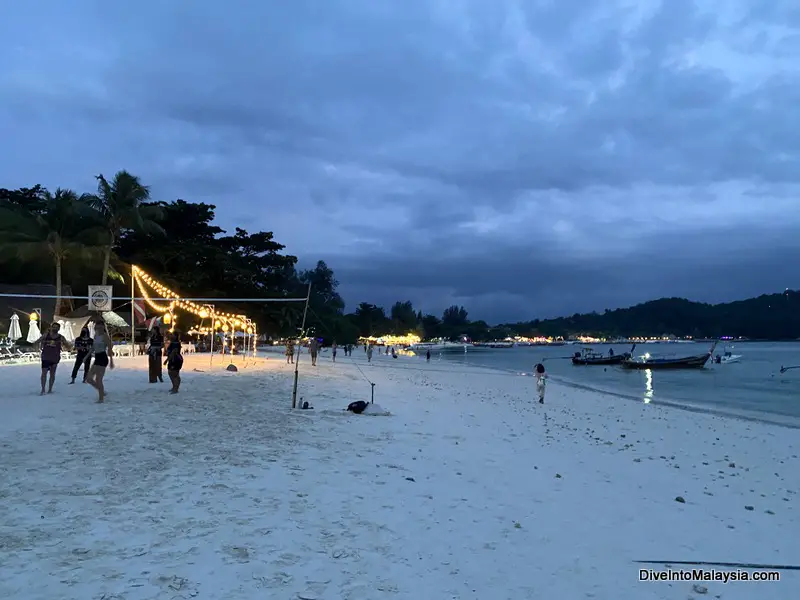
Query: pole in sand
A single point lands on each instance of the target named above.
(213, 335)
(133, 315)
(372, 393)
(297, 362)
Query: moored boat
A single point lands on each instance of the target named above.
(423, 347)
(727, 357)
(588, 356)
(658, 362)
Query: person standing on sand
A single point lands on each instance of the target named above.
(83, 345)
(290, 352)
(313, 349)
(103, 350)
(51, 345)
(174, 362)
(154, 353)
(333, 350)
(369, 353)
(428, 356)
(541, 381)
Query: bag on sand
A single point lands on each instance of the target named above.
(357, 407)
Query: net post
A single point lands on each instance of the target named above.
(372, 395)
(297, 361)
(133, 314)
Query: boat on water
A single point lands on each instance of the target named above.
(727, 357)
(496, 344)
(589, 356)
(423, 347)
(667, 362)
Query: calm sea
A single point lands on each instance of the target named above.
(753, 388)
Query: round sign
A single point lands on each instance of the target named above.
(99, 299)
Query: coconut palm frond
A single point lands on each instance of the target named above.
(114, 274)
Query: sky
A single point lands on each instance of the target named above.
(523, 158)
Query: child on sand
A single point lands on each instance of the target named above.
(174, 362)
(541, 380)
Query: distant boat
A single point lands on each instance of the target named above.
(423, 347)
(588, 356)
(654, 362)
(503, 344)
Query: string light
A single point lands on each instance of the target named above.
(144, 281)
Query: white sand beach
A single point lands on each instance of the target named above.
(468, 490)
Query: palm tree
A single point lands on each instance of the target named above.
(121, 205)
(52, 227)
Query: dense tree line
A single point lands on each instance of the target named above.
(88, 238)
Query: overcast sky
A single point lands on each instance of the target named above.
(523, 158)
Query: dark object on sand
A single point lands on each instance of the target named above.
(232, 368)
(653, 362)
(305, 406)
(357, 407)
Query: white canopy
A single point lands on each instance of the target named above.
(14, 330)
(33, 332)
(66, 330)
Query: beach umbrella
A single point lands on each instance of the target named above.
(33, 331)
(14, 331)
(66, 330)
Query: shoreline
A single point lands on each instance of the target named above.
(767, 418)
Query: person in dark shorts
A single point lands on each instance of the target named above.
(52, 343)
(103, 349)
(174, 362)
(83, 346)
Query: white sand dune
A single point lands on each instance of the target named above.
(467, 489)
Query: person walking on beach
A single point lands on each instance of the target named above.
(428, 356)
(313, 349)
(52, 343)
(333, 350)
(83, 346)
(154, 353)
(174, 362)
(541, 380)
(103, 357)
(369, 353)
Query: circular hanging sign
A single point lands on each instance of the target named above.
(99, 299)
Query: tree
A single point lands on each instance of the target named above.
(122, 206)
(326, 306)
(371, 320)
(46, 226)
(404, 319)
(431, 327)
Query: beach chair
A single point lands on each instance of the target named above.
(7, 356)
(26, 356)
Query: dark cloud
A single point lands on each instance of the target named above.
(522, 157)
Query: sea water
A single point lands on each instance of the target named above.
(751, 388)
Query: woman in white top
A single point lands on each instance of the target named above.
(103, 357)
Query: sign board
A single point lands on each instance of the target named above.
(100, 297)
